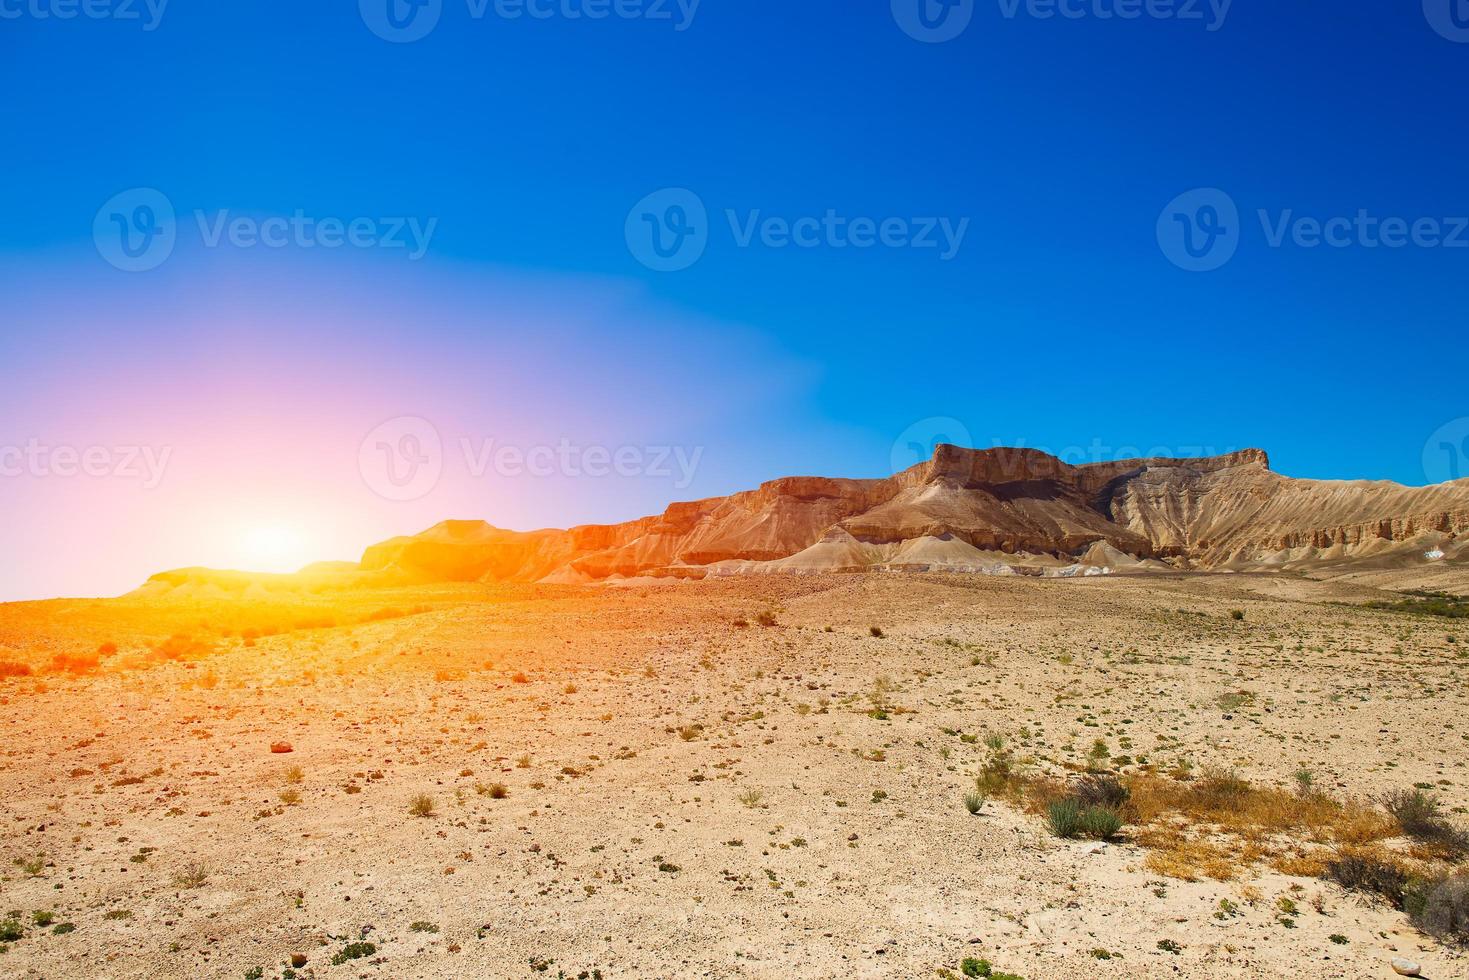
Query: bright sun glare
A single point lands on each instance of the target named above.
(273, 548)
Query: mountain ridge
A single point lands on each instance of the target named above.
(997, 511)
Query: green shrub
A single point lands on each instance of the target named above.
(353, 951)
(973, 802)
(1064, 818)
(1099, 822)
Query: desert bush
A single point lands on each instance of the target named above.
(1371, 874)
(81, 663)
(1100, 822)
(973, 802)
(191, 875)
(876, 632)
(181, 646)
(421, 805)
(1420, 817)
(1101, 790)
(1441, 908)
(765, 618)
(352, 951)
(10, 668)
(1064, 818)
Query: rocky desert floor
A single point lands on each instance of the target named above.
(722, 779)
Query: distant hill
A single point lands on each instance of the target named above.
(998, 511)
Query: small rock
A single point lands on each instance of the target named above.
(1405, 968)
(281, 747)
(1096, 848)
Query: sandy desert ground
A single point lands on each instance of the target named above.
(722, 779)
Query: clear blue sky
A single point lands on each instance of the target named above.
(1060, 322)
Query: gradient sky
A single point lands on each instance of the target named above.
(1060, 323)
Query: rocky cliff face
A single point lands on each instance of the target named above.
(968, 510)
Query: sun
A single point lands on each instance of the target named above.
(273, 547)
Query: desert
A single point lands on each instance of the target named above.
(764, 773)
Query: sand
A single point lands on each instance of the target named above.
(690, 797)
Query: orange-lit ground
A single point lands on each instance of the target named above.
(686, 795)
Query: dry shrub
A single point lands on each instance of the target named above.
(1303, 864)
(1254, 813)
(1441, 908)
(65, 663)
(10, 668)
(181, 646)
(1176, 855)
(1372, 871)
(1100, 790)
(1420, 817)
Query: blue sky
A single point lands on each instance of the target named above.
(1056, 143)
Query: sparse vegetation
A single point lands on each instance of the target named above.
(421, 805)
(353, 951)
(191, 875)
